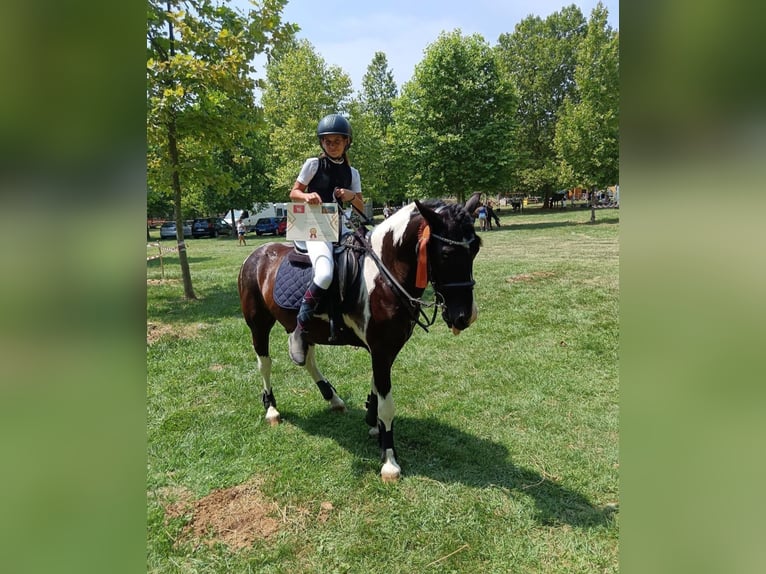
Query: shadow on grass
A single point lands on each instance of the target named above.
(173, 260)
(438, 451)
(213, 303)
(529, 226)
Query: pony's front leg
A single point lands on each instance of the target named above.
(381, 387)
(328, 391)
(269, 402)
(391, 471)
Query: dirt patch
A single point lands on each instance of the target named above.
(529, 276)
(235, 516)
(155, 331)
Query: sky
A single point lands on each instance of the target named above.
(348, 34)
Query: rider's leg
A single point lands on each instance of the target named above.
(320, 254)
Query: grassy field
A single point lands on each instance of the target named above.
(507, 434)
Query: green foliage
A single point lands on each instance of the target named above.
(379, 92)
(507, 434)
(539, 59)
(371, 117)
(200, 88)
(587, 134)
(453, 120)
(300, 89)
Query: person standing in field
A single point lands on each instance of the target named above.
(482, 218)
(241, 230)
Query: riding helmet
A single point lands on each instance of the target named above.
(334, 124)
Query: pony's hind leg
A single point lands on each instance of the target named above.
(269, 402)
(327, 390)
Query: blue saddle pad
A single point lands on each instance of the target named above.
(292, 282)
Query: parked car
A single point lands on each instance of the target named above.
(210, 227)
(282, 226)
(168, 229)
(268, 225)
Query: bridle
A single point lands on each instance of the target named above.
(416, 303)
(459, 284)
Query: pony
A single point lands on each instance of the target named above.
(423, 242)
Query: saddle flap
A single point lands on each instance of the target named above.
(299, 258)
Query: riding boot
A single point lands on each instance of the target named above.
(297, 343)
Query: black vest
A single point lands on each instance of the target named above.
(330, 175)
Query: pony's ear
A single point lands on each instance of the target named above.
(473, 202)
(432, 218)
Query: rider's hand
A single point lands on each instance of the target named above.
(341, 193)
(312, 198)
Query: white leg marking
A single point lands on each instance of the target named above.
(391, 471)
(273, 417)
(311, 364)
(335, 402)
(264, 366)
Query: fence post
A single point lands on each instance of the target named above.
(162, 267)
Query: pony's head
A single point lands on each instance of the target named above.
(452, 247)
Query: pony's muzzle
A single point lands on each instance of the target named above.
(462, 322)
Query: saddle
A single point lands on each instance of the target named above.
(295, 273)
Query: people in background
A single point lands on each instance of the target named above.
(491, 215)
(482, 214)
(241, 230)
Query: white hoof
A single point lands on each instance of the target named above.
(391, 470)
(374, 432)
(273, 417)
(337, 404)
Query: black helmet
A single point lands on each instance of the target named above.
(334, 124)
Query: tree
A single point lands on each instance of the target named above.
(371, 117)
(587, 133)
(300, 89)
(453, 121)
(539, 59)
(200, 94)
(379, 92)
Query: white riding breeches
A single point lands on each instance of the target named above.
(321, 255)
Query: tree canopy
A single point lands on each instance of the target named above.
(539, 59)
(300, 89)
(453, 120)
(587, 133)
(200, 107)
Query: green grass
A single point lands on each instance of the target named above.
(507, 434)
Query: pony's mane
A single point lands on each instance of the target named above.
(398, 223)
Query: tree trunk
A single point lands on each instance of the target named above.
(176, 184)
(182, 259)
(593, 205)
